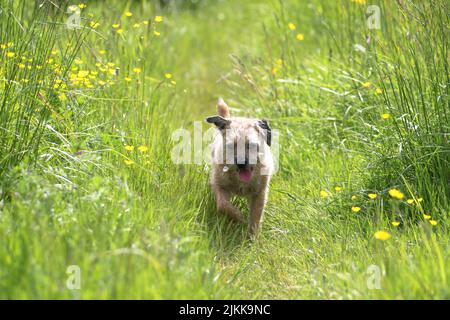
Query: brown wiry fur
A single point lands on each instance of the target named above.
(225, 183)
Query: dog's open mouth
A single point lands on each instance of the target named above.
(245, 174)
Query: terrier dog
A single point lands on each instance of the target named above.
(242, 164)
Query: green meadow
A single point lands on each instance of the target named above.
(92, 205)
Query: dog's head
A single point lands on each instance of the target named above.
(244, 141)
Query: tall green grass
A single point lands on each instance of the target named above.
(77, 189)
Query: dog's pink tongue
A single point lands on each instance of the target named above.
(245, 175)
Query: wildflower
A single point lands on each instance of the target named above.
(111, 64)
(173, 82)
(291, 26)
(77, 61)
(410, 201)
(385, 116)
(426, 216)
(432, 222)
(128, 14)
(158, 19)
(378, 91)
(372, 196)
(419, 199)
(168, 75)
(356, 209)
(120, 31)
(94, 25)
(396, 194)
(127, 79)
(395, 223)
(145, 22)
(82, 5)
(274, 70)
(101, 82)
(143, 149)
(324, 194)
(129, 162)
(338, 189)
(366, 84)
(382, 235)
(62, 97)
(300, 37)
(156, 33)
(21, 66)
(116, 26)
(136, 25)
(102, 52)
(137, 70)
(279, 62)
(354, 197)
(129, 148)
(10, 54)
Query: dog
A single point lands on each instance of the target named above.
(242, 164)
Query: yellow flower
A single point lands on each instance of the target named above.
(274, 70)
(145, 22)
(101, 82)
(291, 26)
(396, 194)
(21, 66)
(137, 70)
(120, 31)
(354, 197)
(116, 25)
(128, 14)
(382, 235)
(143, 149)
(432, 222)
(168, 75)
(356, 209)
(102, 52)
(158, 19)
(419, 199)
(62, 97)
(395, 223)
(338, 189)
(378, 91)
(156, 33)
(426, 216)
(324, 194)
(54, 52)
(385, 116)
(136, 25)
(127, 79)
(173, 82)
(129, 148)
(410, 201)
(372, 195)
(82, 5)
(10, 54)
(129, 162)
(366, 84)
(279, 62)
(94, 25)
(111, 64)
(77, 61)
(300, 37)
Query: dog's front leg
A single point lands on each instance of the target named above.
(257, 204)
(224, 205)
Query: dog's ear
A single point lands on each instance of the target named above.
(220, 122)
(267, 130)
